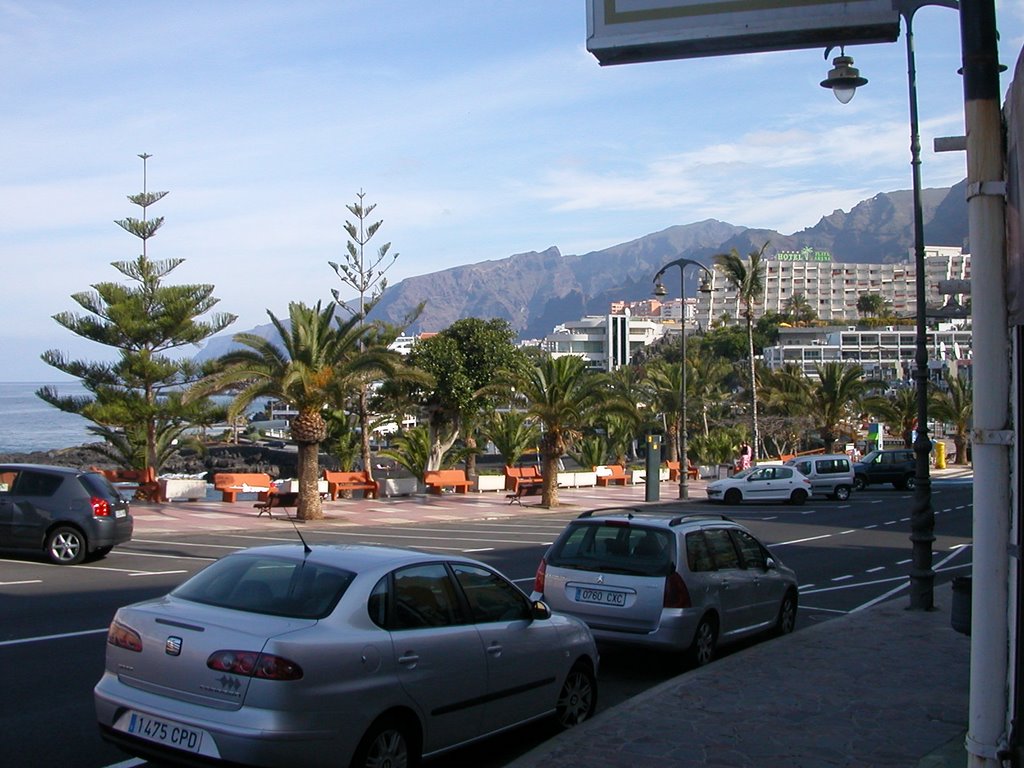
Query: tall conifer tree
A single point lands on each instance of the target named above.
(135, 401)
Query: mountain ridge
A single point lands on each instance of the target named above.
(536, 290)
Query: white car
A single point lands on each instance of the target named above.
(340, 656)
(763, 483)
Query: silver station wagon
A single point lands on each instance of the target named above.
(337, 656)
(682, 583)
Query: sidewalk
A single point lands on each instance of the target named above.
(878, 688)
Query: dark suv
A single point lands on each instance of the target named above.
(891, 465)
(65, 513)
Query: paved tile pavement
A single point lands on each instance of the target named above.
(881, 687)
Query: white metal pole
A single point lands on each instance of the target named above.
(991, 437)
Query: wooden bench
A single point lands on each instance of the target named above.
(617, 475)
(692, 471)
(230, 484)
(279, 499)
(338, 482)
(522, 481)
(439, 479)
(141, 481)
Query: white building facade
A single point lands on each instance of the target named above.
(606, 343)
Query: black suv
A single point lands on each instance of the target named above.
(64, 513)
(891, 465)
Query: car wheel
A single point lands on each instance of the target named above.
(733, 496)
(578, 698)
(702, 651)
(65, 546)
(385, 744)
(910, 483)
(798, 497)
(786, 621)
(842, 492)
(859, 484)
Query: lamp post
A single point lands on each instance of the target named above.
(659, 290)
(922, 517)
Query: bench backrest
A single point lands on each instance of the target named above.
(223, 480)
(523, 473)
(346, 477)
(445, 476)
(617, 470)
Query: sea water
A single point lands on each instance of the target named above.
(29, 424)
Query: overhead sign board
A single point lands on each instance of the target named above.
(628, 31)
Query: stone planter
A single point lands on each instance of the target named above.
(490, 483)
(577, 479)
(180, 489)
(400, 486)
(292, 486)
(640, 475)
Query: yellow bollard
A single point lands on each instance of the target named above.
(940, 455)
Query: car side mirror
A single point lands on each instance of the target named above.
(540, 611)
(770, 564)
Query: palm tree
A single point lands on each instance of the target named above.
(664, 383)
(747, 278)
(706, 383)
(799, 310)
(835, 400)
(898, 410)
(317, 364)
(512, 434)
(563, 396)
(955, 406)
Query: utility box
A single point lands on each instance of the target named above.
(652, 488)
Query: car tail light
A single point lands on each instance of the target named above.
(100, 507)
(124, 637)
(538, 579)
(676, 593)
(265, 666)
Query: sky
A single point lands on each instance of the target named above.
(479, 129)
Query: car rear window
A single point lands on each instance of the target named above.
(615, 547)
(96, 484)
(270, 585)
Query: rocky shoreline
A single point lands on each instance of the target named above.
(218, 457)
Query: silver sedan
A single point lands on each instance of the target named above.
(335, 656)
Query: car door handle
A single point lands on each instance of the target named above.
(409, 659)
(495, 649)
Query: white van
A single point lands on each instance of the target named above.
(831, 474)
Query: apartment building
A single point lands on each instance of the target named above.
(832, 288)
(606, 342)
(886, 354)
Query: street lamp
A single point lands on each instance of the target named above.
(659, 290)
(922, 517)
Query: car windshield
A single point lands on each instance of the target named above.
(271, 585)
(743, 473)
(615, 547)
(868, 458)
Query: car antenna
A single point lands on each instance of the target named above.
(305, 547)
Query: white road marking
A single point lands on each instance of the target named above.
(63, 636)
(15, 583)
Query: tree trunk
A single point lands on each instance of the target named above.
(364, 432)
(549, 490)
(960, 446)
(756, 441)
(310, 506)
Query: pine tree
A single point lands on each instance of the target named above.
(135, 403)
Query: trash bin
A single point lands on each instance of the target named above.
(960, 612)
(940, 455)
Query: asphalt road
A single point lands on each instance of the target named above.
(847, 556)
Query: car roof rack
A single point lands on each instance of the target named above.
(629, 512)
(679, 519)
(632, 512)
